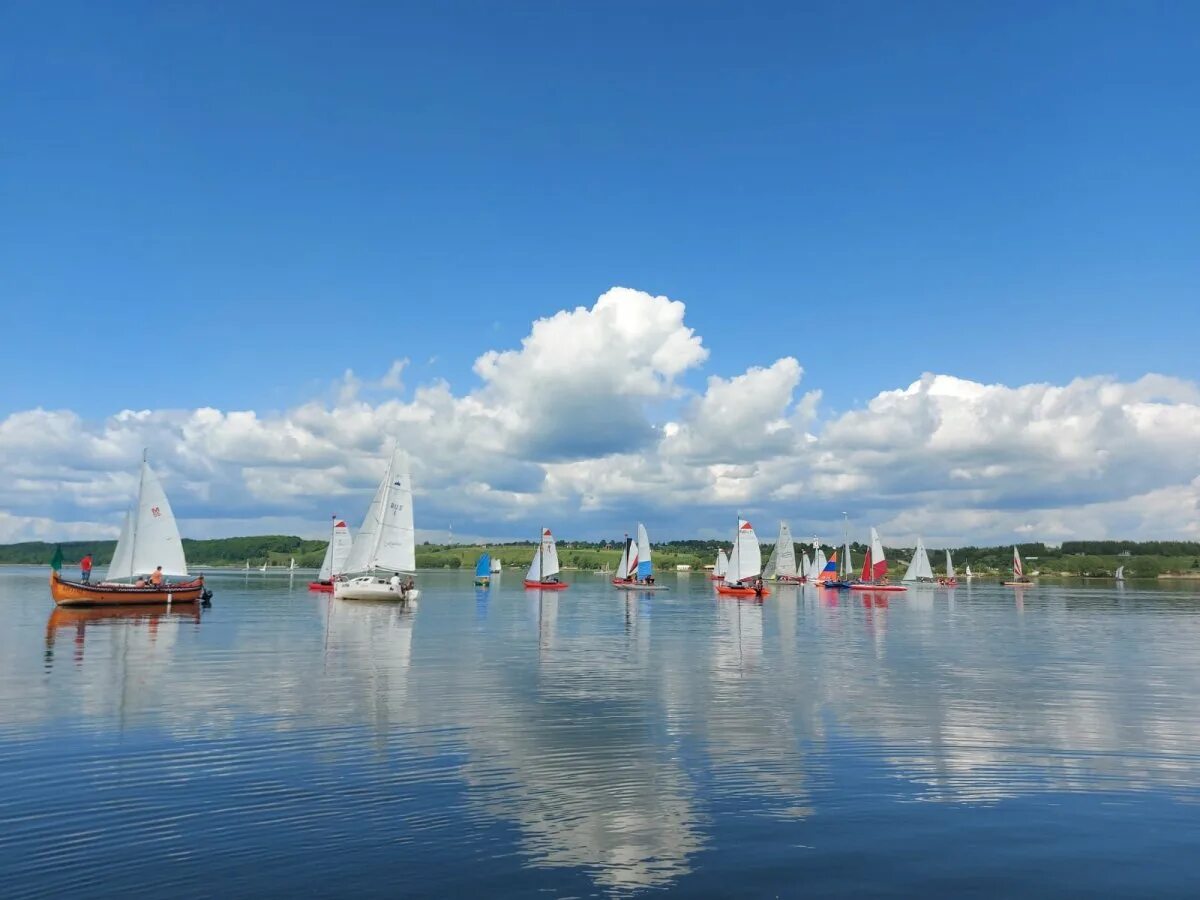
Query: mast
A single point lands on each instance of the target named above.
(387, 492)
(137, 515)
(541, 554)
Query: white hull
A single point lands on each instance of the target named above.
(367, 587)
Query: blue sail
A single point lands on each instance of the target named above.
(645, 570)
(484, 566)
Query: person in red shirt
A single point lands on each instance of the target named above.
(156, 577)
(85, 568)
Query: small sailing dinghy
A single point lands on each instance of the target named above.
(336, 553)
(496, 567)
(722, 566)
(784, 555)
(385, 544)
(635, 572)
(950, 579)
(483, 570)
(149, 541)
(1120, 574)
(919, 570)
(968, 573)
(828, 575)
(744, 575)
(874, 570)
(1019, 578)
(543, 570)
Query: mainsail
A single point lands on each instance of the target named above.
(1018, 569)
(483, 568)
(949, 566)
(919, 568)
(784, 553)
(847, 563)
(387, 539)
(644, 567)
(149, 537)
(874, 564)
(722, 567)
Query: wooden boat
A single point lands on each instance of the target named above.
(149, 541)
(78, 593)
(383, 555)
(1019, 579)
(336, 553)
(744, 575)
(874, 570)
(544, 569)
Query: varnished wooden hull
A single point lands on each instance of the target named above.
(77, 593)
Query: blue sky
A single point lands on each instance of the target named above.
(273, 193)
(989, 181)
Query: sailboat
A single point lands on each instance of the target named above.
(385, 544)
(805, 567)
(636, 570)
(149, 541)
(483, 570)
(874, 570)
(336, 553)
(968, 573)
(496, 567)
(266, 565)
(721, 568)
(744, 576)
(543, 570)
(1120, 574)
(829, 572)
(1019, 578)
(919, 571)
(784, 555)
(292, 565)
(950, 579)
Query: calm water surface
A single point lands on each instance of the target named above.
(946, 743)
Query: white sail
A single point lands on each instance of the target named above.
(336, 552)
(387, 538)
(746, 561)
(969, 573)
(722, 567)
(1120, 576)
(919, 568)
(731, 567)
(623, 563)
(496, 566)
(805, 565)
(644, 567)
(768, 572)
(949, 566)
(847, 562)
(785, 552)
(819, 562)
(545, 559)
(121, 566)
(155, 536)
(877, 556)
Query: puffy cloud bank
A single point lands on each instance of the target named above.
(601, 416)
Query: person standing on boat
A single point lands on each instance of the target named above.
(157, 578)
(85, 568)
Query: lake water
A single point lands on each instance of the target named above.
(975, 742)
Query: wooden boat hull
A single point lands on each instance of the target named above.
(726, 590)
(891, 588)
(325, 587)
(77, 593)
(545, 585)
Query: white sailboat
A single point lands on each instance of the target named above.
(386, 543)
(919, 571)
(292, 565)
(745, 563)
(544, 567)
(722, 566)
(1120, 575)
(784, 556)
(496, 567)
(337, 551)
(951, 578)
(805, 567)
(968, 573)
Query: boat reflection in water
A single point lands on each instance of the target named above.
(153, 627)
